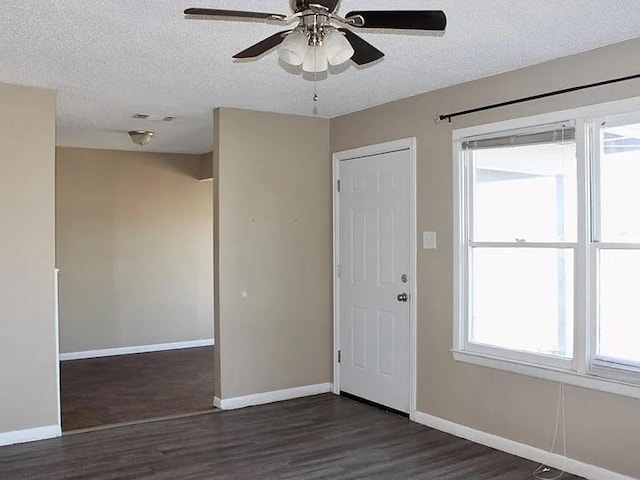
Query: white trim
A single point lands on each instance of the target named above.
(336, 274)
(460, 262)
(538, 245)
(617, 119)
(386, 147)
(57, 340)
(522, 450)
(616, 370)
(271, 397)
(377, 149)
(413, 267)
(616, 246)
(511, 354)
(549, 373)
(30, 435)
(582, 263)
(160, 347)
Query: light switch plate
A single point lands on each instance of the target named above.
(429, 240)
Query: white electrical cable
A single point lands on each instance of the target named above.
(543, 469)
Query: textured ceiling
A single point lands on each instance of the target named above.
(109, 60)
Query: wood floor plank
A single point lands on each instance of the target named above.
(110, 390)
(322, 437)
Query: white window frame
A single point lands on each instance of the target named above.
(584, 369)
(467, 233)
(601, 365)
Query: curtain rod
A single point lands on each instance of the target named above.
(449, 116)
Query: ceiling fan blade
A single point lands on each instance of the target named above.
(332, 5)
(431, 20)
(263, 46)
(364, 51)
(238, 14)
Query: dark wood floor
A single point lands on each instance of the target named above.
(323, 437)
(110, 390)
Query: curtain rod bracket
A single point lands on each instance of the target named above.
(441, 118)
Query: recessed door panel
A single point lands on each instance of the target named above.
(386, 330)
(359, 338)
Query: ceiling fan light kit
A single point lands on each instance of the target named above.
(339, 50)
(294, 48)
(315, 61)
(317, 42)
(298, 49)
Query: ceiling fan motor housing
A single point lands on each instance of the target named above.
(302, 5)
(315, 26)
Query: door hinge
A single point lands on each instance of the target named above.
(339, 356)
(338, 271)
(338, 186)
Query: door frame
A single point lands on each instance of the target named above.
(371, 150)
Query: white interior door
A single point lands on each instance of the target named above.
(374, 257)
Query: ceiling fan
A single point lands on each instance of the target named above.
(320, 39)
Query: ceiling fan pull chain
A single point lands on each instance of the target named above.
(315, 75)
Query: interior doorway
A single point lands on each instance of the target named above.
(134, 248)
(374, 293)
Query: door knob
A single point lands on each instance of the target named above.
(403, 297)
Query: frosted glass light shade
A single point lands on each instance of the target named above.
(141, 137)
(316, 60)
(294, 48)
(339, 50)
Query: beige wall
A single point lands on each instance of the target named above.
(274, 242)
(134, 247)
(206, 166)
(28, 391)
(602, 429)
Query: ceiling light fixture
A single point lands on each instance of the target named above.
(141, 137)
(315, 50)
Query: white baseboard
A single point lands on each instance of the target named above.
(270, 397)
(522, 450)
(30, 435)
(109, 352)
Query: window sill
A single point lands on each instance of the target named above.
(549, 373)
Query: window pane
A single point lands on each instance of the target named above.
(525, 192)
(522, 299)
(619, 192)
(619, 306)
